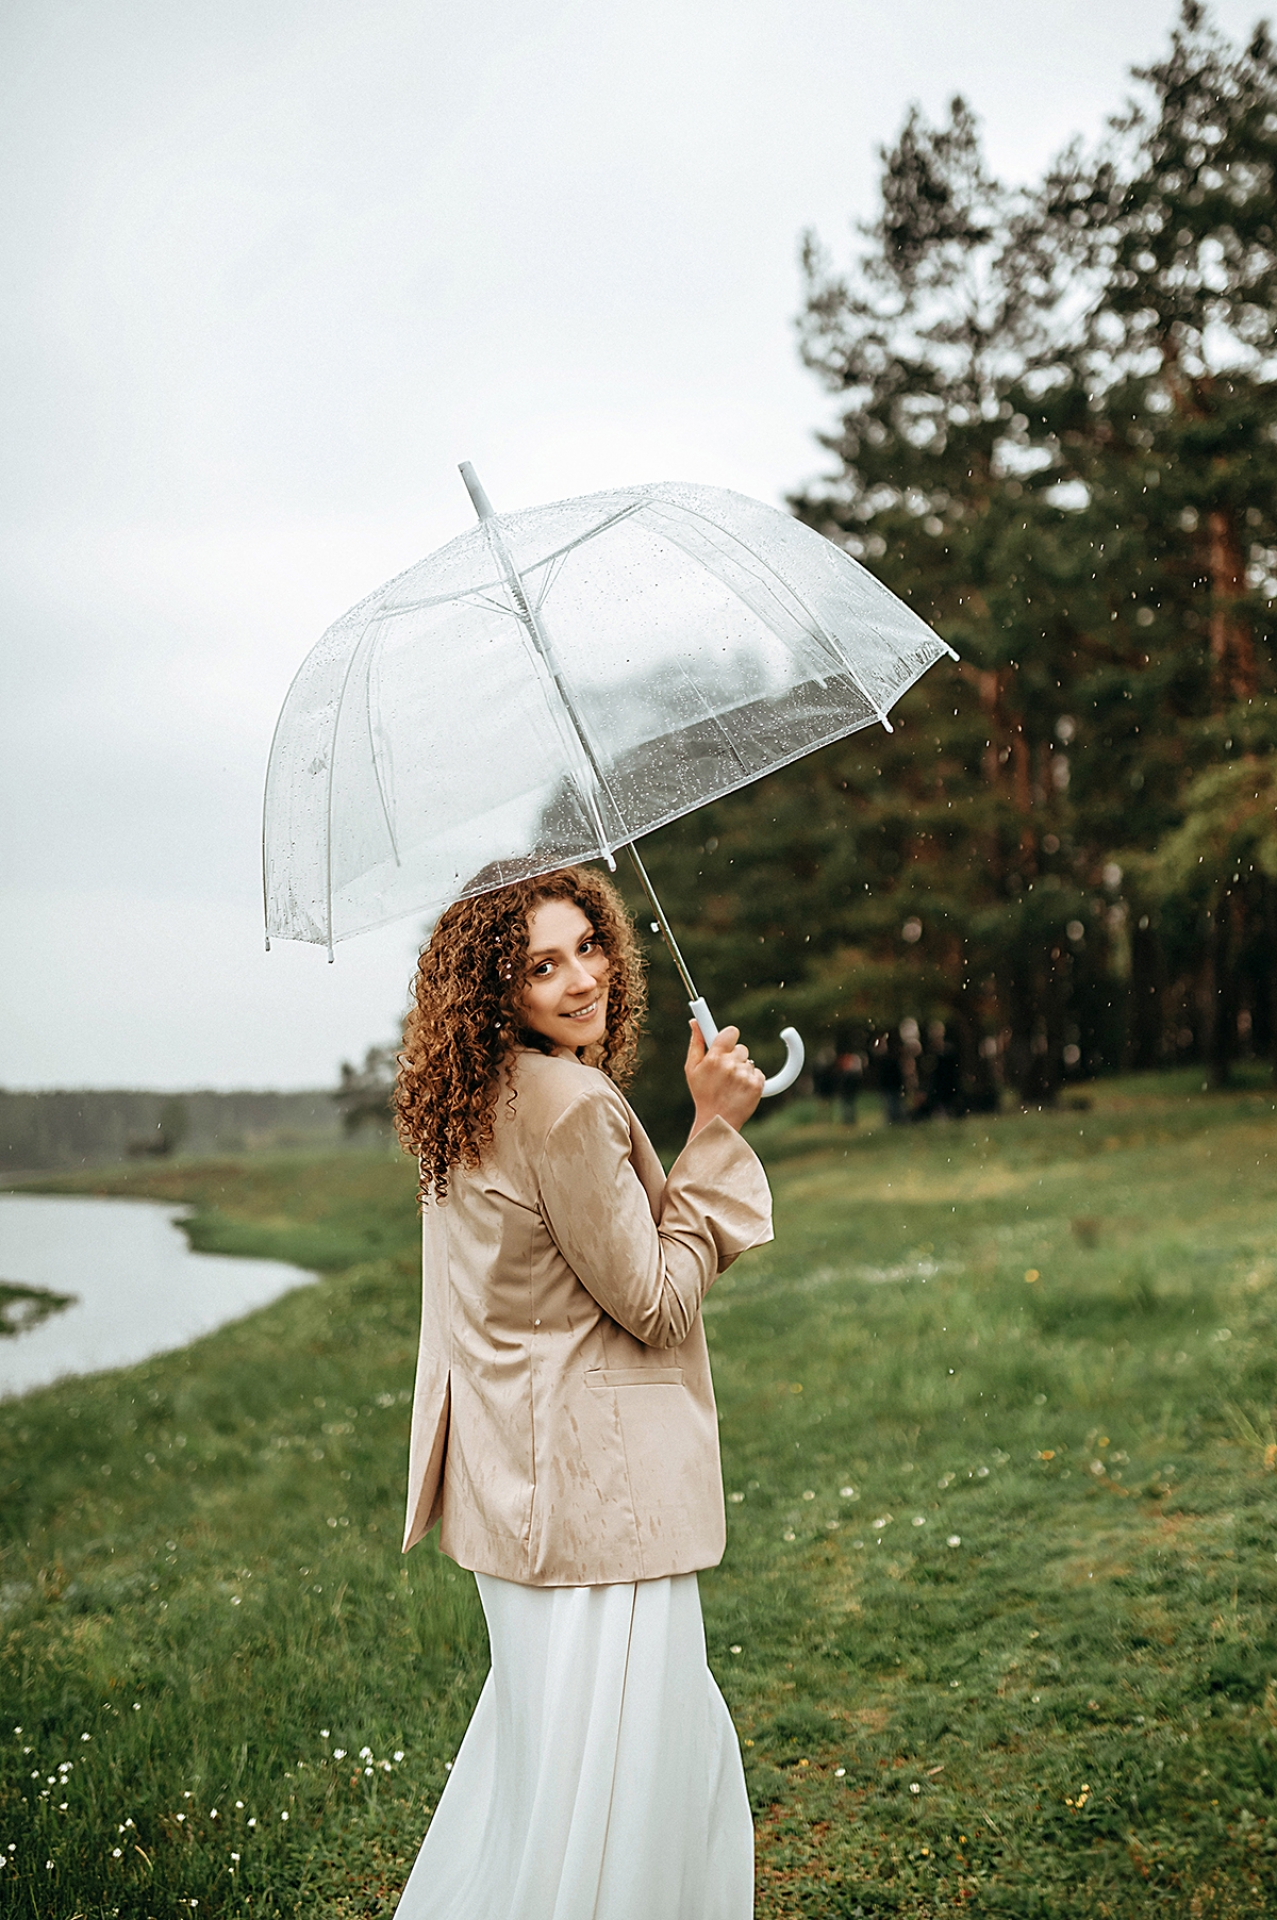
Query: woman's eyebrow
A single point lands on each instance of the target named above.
(548, 953)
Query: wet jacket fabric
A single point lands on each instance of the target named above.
(564, 1431)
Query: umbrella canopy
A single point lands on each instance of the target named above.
(557, 682)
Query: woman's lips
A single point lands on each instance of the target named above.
(582, 1013)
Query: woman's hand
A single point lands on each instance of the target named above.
(722, 1079)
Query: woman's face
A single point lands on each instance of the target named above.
(565, 997)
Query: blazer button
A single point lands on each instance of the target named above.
(536, 1323)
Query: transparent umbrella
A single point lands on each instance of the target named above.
(556, 683)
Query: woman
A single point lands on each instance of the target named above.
(564, 1434)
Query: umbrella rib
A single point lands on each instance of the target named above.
(553, 570)
(372, 755)
(493, 606)
(816, 626)
(592, 533)
(426, 601)
(328, 805)
(424, 604)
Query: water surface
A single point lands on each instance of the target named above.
(138, 1287)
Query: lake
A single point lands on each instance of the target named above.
(138, 1287)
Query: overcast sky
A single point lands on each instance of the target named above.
(269, 273)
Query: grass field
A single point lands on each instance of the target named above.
(998, 1618)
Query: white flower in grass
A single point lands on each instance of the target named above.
(116, 1853)
(365, 1753)
(284, 1815)
(253, 1821)
(954, 1540)
(398, 1753)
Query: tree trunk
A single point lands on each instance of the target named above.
(1144, 1041)
(1269, 921)
(1223, 1012)
(1038, 1019)
(1232, 646)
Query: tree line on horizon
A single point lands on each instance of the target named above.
(1057, 441)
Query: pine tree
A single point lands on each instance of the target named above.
(1174, 230)
(1058, 442)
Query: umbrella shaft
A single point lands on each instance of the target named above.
(664, 925)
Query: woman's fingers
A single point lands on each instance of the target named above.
(696, 1051)
(723, 1080)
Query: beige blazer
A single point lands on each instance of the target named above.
(564, 1431)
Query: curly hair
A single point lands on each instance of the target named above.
(465, 1021)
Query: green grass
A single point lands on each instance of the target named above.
(1071, 1711)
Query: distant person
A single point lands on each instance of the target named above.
(824, 1078)
(850, 1070)
(889, 1078)
(944, 1090)
(563, 1432)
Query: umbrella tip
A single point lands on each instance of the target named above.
(951, 651)
(885, 723)
(482, 504)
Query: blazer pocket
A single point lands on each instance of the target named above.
(600, 1377)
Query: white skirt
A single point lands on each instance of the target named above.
(600, 1777)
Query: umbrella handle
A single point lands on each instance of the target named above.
(794, 1050)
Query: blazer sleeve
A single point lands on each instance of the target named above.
(649, 1275)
